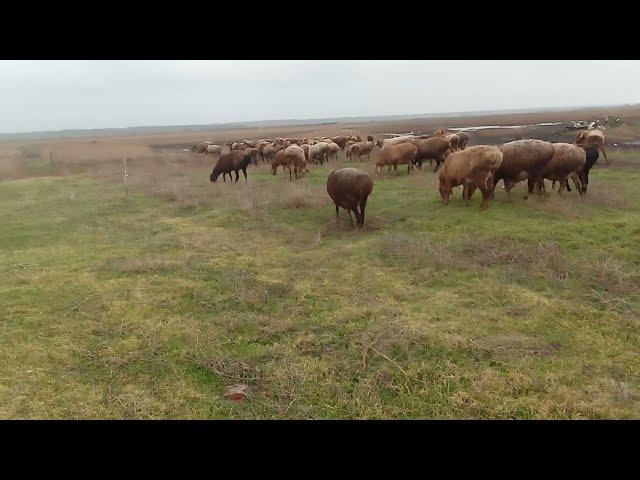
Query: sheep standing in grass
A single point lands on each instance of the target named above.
(390, 142)
(433, 148)
(473, 168)
(201, 148)
(567, 161)
(361, 148)
(523, 159)
(403, 154)
(463, 138)
(294, 156)
(233, 161)
(319, 153)
(334, 148)
(341, 140)
(350, 188)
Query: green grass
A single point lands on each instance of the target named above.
(141, 307)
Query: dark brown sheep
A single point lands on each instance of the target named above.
(233, 161)
(522, 159)
(567, 161)
(341, 140)
(433, 148)
(349, 188)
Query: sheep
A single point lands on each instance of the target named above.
(341, 140)
(334, 148)
(350, 188)
(233, 161)
(389, 142)
(592, 155)
(280, 159)
(592, 138)
(434, 148)
(319, 152)
(229, 144)
(213, 149)
(361, 148)
(351, 149)
(268, 153)
(238, 146)
(250, 143)
(567, 161)
(522, 159)
(370, 138)
(402, 154)
(294, 155)
(201, 147)
(305, 148)
(463, 140)
(473, 168)
(254, 154)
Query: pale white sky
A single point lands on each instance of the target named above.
(54, 95)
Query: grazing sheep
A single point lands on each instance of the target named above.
(350, 188)
(250, 143)
(341, 140)
(233, 161)
(592, 138)
(567, 161)
(319, 153)
(361, 148)
(522, 159)
(213, 149)
(238, 146)
(433, 148)
(473, 168)
(403, 154)
(294, 156)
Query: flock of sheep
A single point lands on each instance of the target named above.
(477, 167)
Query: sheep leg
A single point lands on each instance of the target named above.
(485, 197)
(576, 182)
(237, 176)
(584, 178)
(350, 218)
(244, 170)
(337, 210)
(363, 204)
(563, 185)
(605, 156)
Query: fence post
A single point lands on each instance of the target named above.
(126, 187)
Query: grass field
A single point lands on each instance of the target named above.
(151, 306)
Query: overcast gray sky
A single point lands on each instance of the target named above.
(54, 95)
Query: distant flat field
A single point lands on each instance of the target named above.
(152, 305)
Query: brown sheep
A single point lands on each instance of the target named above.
(522, 159)
(238, 146)
(334, 148)
(201, 147)
(361, 148)
(233, 161)
(294, 156)
(254, 154)
(473, 168)
(341, 140)
(403, 154)
(453, 140)
(592, 138)
(463, 140)
(567, 161)
(213, 150)
(389, 142)
(433, 148)
(280, 159)
(350, 188)
(268, 153)
(319, 153)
